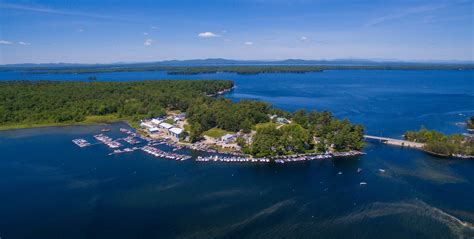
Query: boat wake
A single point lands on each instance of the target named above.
(459, 228)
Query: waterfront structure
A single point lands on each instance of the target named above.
(228, 138)
(153, 130)
(156, 121)
(282, 120)
(175, 132)
(147, 125)
(165, 126)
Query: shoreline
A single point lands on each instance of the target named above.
(445, 156)
(90, 120)
(235, 156)
(182, 145)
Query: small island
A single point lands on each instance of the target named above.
(182, 113)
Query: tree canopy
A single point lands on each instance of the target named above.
(441, 144)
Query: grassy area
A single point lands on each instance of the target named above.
(169, 121)
(187, 127)
(257, 126)
(96, 119)
(216, 132)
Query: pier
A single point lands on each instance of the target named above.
(396, 142)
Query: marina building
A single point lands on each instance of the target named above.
(156, 121)
(175, 132)
(146, 125)
(165, 126)
(153, 130)
(229, 138)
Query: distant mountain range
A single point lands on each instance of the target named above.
(221, 61)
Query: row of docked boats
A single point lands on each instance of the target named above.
(131, 140)
(162, 154)
(81, 142)
(125, 150)
(231, 159)
(278, 159)
(108, 141)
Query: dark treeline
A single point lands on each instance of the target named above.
(438, 143)
(26, 102)
(254, 69)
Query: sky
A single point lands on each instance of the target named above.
(109, 31)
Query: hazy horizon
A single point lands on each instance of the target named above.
(104, 32)
(263, 61)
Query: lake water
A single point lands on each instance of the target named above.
(49, 188)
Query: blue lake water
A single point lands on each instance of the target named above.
(50, 188)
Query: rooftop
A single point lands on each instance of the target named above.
(176, 130)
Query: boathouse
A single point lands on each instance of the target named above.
(153, 130)
(166, 126)
(175, 132)
(146, 125)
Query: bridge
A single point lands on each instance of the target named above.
(397, 142)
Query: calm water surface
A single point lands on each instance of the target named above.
(50, 188)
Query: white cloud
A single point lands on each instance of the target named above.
(148, 42)
(24, 43)
(80, 30)
(207, 34)
(304, 38)
(248, 43)
(154, 27)
(145, 33)
(3, 42)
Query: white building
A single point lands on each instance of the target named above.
(282, 120)
(175, 132)
(156, 121)
(166, 126)
(228, 138)
(146, 125)
(153, 130)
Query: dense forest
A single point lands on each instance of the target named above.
(441, 144)
(47, 102)
(43, 102)
(308, 132)
(244, 69)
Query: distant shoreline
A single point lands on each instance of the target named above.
(238, 69)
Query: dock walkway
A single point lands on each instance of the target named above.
(397, 142)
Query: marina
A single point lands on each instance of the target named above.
(150, 146)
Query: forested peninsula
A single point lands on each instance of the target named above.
(40, 103)
(443, 145)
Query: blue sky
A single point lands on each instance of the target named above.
(133, 31)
